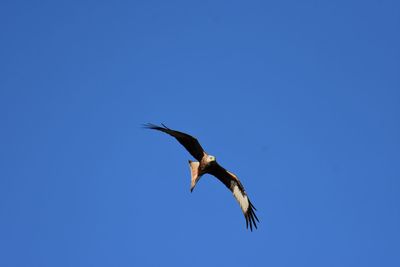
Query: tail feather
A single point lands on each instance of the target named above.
(194, 172)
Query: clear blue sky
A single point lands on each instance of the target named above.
(301, 99)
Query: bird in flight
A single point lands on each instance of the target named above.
(208, 164)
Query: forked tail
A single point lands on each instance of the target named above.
(194, 171)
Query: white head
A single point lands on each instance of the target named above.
(211, 158)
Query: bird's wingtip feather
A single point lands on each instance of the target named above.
(165, 126)
(154, 126)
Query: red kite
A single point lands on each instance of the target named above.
(208, 164)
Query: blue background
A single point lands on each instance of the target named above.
(301, 99)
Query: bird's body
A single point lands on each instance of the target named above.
(207, 164)
(197, 169)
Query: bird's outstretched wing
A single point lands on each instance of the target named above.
(189, 142)
(232, 182)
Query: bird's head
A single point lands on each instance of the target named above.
(211, 158)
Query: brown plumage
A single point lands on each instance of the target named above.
(207, 164)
